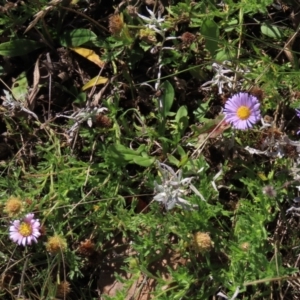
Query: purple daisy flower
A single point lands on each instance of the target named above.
(26, 231)
(242, 111)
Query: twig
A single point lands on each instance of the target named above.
(85, 16)
(22, 278)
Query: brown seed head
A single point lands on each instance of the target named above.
(86, 248)
(116, 24)
(13, 206)
(257, 92)
(63, 289)
(103, 121)
(202, 242)
(187, 37)
(56, 244)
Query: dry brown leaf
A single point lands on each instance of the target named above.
(40, 15)
(35, 88)
(90, 55)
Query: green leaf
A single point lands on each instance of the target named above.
(18, 47)
(141, 149)
(180, 150)
(183, 160)
(20, 88)
(173, 160)
(181, 120)
(225, 54)
(167, 98)
(80, 98)
(77, 37)
(271, 31)
(210, 31)
(145, 46)
(122, 153)
(231, 25)
(182, 112)
(144, 161)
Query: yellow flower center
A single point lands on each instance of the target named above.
(25, 229)
(243, 112)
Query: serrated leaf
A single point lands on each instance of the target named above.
(95, 81)
(210, 30)
(90, 55)
(77, 37)
(18, 47)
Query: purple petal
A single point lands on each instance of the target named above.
(24, 241)
(16, 223)
(29, 240)
(234, 103)
(28, 218)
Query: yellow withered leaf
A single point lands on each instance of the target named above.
(95, 81)
(90, 55)
(262, 176)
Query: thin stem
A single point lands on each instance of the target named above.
(86, 17)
